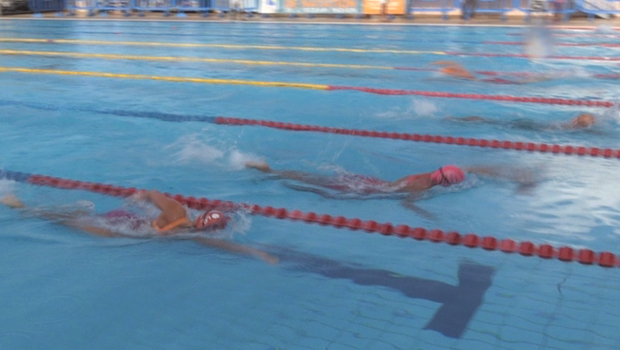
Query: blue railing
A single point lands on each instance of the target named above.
(39, 6)
(88, 6)
(500, 7)
(102, 7)
(592, 8)
(564, 7)
(467, 7)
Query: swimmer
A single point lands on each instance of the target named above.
(412, 185)
(362, 185)
(456, 70)
(444, 176)
(172, 221)
(582, 121)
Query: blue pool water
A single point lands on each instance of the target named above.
(333, 288)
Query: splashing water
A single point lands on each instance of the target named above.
(418, 108)
(538, 42)
(423, 107)
(237, 159)
(194, 150)
(6, 187)
(611, 114)
(604, 28)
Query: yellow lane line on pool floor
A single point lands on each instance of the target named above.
(173, 79)
(221, 46)
(186, 59)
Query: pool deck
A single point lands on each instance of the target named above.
(421, 19)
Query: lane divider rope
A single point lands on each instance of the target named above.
(296, 48)
(191, 59)
(379, 91)
(487, 243)
(218, 46)
(450, 140)
(265, 63)
(612, 45)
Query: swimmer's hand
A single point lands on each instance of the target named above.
(526, 181)
(237, 248)
(262, 166)
(268, 258)
(11, 201)
(408, 203)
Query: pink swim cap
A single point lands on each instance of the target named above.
(212, 220)
(447, 175)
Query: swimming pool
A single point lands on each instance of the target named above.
(333, 288)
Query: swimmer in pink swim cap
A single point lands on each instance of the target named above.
(362, 185)
(173, 220)
(365, 185)
(447, 175)
(347, 184)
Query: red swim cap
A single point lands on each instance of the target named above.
(447, 175)
(212, 220)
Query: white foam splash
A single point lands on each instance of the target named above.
(611, 114)
(423, 107)
(605, 28)
(418, 108)
(194, 150)
(538, 42)
(6, 187)
(191, 149)
(237, 159)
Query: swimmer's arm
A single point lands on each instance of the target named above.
(98, 231)
(171, 210)
(537, 78)
(524, 178)
(67, 219)
(161, 201)
(409, 204)
(237, 248)
(485, 170)
(471, 119)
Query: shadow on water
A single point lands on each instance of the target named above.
(458, 302)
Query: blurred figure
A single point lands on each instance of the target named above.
(468, 10)
(582, 121)
(585, 120)
(456, 70)
(538, 40)
(235, 9)
(384, 10)
(558, 10)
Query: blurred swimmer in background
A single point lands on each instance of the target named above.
(456, 70)
(580, 122)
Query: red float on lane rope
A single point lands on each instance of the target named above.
(488, 243)
(450, 140)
